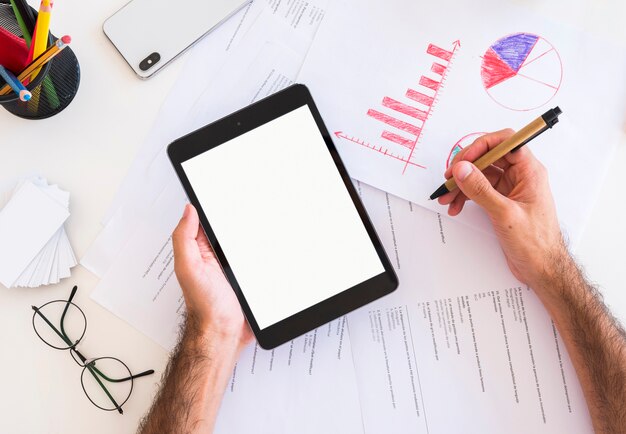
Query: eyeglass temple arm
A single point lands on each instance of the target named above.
(67, 305)
(113, 380)
(121, 380)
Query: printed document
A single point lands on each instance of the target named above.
(404, 86)
(461, 345)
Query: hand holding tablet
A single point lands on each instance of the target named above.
(284, 220)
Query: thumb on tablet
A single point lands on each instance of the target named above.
(184, 237)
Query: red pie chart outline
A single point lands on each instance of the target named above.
(558, 86)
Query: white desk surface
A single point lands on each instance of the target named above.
(87, 150)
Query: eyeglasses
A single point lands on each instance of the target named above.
(106, 381)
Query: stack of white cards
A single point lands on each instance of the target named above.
(34, 246)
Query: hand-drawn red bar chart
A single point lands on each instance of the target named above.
(521, 71)
(402, 135)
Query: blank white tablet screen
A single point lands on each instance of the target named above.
(283, 217)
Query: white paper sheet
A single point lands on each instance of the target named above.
(306, 386)
(461, 345)
(275, 390)
(140, 286)
(401, 89)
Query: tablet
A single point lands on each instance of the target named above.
(283, 217)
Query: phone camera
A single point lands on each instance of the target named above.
(238, 124)
(149, 61)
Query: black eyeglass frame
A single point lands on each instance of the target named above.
(87, 364)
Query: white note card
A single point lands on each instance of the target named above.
(27, 223)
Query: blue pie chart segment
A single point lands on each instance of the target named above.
(514, 49)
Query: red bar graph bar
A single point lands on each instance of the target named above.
(398, 139)
(429, 83)
(438, 68)
(439, 52)
(396, 123)
(404, 108)
(420, 97)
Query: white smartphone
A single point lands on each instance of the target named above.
(151, 33)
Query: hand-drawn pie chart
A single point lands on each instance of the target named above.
(522, 71)
(464, 142)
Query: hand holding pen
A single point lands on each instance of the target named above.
(515, 193)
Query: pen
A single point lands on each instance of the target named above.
(513, 143)
(15, 84)
(54, 49)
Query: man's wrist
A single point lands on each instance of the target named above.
(560, 275)
(211, 338)
(196, 378)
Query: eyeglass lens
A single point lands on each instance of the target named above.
(114, 376)
(60, 334)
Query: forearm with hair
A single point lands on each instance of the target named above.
(595, 340)
(192, 385)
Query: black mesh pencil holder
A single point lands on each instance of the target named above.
(53, 88)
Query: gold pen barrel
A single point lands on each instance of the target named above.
(522, 136)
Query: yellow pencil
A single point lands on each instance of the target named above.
(42, 30)
(40, 61)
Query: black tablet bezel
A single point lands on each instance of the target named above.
(239, 123)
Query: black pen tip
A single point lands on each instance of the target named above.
(439, 192)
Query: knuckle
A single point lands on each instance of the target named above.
(537, 172)
(176, 246)
(542, 171)
(175, 243)
(176, 234)
(481, 188)
(180, 268)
